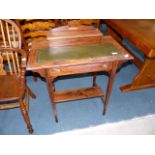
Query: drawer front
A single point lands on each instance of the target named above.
(78, 69)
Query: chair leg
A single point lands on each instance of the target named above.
(102, 99)
(27, 98)
(25, 116)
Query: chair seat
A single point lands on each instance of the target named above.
(9, 88)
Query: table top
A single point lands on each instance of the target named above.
(107, 50)
(56, 54)
(141, 32)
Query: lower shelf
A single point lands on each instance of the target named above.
(83, 93)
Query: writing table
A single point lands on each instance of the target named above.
(77, 50)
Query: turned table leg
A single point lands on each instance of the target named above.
(109, 86)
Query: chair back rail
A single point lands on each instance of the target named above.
(9, 38)
(34, 29)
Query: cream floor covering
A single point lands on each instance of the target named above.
(136, 126)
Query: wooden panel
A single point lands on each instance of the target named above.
(138, 62)
(113, 33)
(77, 94)
(68, 35)
(78, 69)
(140, 32)
(65, 42)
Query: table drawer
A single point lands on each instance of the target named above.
(78, 69)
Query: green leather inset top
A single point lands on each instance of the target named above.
(76, 52)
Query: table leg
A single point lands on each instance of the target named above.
(94, 84)
(51, 90)
(94, 80)
(109, 86)
(144, 79)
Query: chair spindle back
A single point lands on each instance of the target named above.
(10, 41)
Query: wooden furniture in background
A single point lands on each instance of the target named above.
(76, 50)
(84, 22)
(35, 29)
(81, 22)
(142, 34)
(12, 71)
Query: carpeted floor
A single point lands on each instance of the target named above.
(140, 126)
(82, 113)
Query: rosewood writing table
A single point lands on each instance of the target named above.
(142, 34)
(76, 50)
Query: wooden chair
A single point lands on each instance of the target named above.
(35, 29)
(14, 93)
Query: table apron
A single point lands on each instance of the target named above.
(78, 69)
